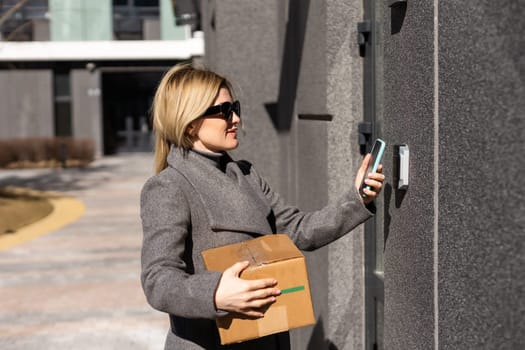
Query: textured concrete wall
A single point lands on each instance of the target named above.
(255, 45)
(450, 85)
(242, 43)
(292, 53)
(344, 78)
(288, 58)
(26, 104)
(303, 92)
(454, 255)
(408, 117)
(481, 182)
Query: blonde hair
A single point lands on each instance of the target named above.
(183, 95)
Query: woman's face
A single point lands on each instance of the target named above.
(216, 134)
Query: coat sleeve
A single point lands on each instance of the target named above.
(312, 230)
(168, 286)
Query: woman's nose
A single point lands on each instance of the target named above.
(235, 118)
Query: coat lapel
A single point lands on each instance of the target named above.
(230, 201)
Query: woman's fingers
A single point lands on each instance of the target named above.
(260, 284)
(370, 194)
(375, 188)
(375, 182)
(250, 301)
(255, 303)
(376, 179)
(257, 306)
(260, 305)
(378, 175)
(247, 297)
(263, 293)
(257, 299)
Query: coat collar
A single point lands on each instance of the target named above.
(231, 201)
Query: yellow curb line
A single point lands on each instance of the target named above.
(65, 211)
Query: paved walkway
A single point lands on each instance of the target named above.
(78, 287)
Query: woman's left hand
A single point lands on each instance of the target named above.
(374, 180)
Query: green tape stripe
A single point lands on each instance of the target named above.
(292, 290)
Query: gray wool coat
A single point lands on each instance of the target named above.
(206, 201)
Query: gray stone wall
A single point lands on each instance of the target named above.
(344, 76)
(450, 85)
(86, 106)
(242, 43)
(454, 251)
(303, 92)
(481, 183)
(26, 104)
(288, 58)
(407, 84)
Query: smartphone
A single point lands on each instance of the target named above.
(377, 151)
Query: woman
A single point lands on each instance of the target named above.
(200, 198)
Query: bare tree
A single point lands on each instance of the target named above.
(5, 16)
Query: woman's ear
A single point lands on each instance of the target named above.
(193, 128)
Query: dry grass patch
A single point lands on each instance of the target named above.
(19, 208)
(40, 152)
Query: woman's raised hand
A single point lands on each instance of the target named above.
(246, 297)
(374, 180)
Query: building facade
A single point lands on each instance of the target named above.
(442, 264)
(87, 68)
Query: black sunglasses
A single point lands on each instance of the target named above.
(226, 109)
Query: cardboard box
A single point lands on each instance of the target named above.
(271, 256)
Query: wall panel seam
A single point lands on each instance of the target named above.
(436, 175)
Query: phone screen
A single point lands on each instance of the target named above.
(377, 153)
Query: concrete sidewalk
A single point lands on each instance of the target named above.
(78, 287)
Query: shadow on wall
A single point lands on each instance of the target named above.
(387, 194)
(281, 112)
(398, 10)
(399, 195)
(318, 338)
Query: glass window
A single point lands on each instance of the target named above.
(63, 119)
(146, 3)
(30, 3)
(62, 87)
(62, 104)
(37, 3)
